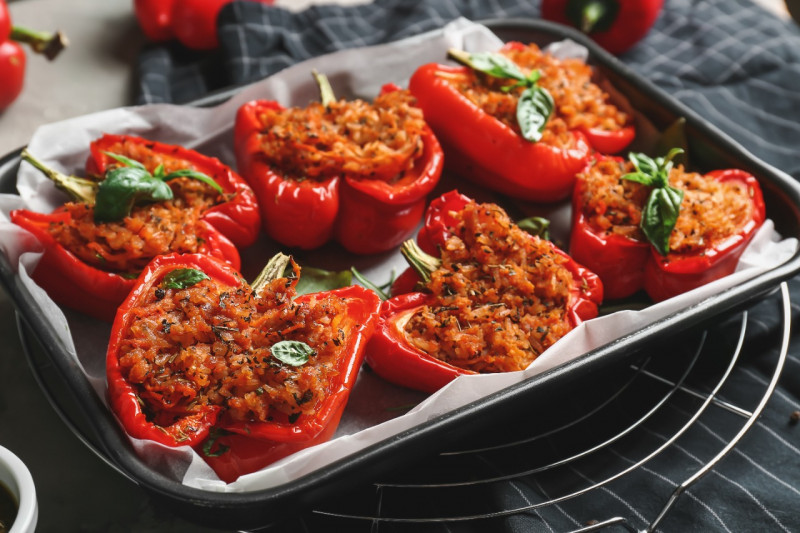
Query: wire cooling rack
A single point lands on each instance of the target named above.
(556, 457)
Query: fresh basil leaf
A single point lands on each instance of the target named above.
(182, 278)
(294, 353)
(646, 166)
(125, 187)
(537, 226)
(199, 176)
(639, 177)
(493, 64)
(316, 280)
(127, 161)
(159, 172)
(660, 215)
(534, 107)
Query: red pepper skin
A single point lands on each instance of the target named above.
(630, 24)
(155, 18)
(75, 284)
(394, 359)
(192, 22)
(250, 446)
(12, 72)
(626, 265)
(484, 150)
(5, 22)
(238, 219)
(364, 216)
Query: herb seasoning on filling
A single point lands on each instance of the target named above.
(240, 355)
(711, 210)
(500, 296)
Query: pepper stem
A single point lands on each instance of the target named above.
(592, 13)
(459, 55)
(274, 269)
(79, 189)
(325, 90)
(45, 43)
(423, 263)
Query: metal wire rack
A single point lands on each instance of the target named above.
(554, 466)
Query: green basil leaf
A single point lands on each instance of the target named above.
(639, 177)
(294, 353)
(493, 64)
(199, 176)
(316, 280)
(660, 215)
(181, 278)
(125, 187)
(127, 161)
(645, 165)
(534, 108)
(537, 226)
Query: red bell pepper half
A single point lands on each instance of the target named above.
(490, 152)
(395, 358)
(364, 215)
(73, 282)
(188, 407)
(627, 262)
(616, 25)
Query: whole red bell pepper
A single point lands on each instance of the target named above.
(12, 55)
(233, 446)
(484, 149)
(366, 216)
(192, 22)
(628, 262)
(74, 283)
(392, 356)
(616, 25)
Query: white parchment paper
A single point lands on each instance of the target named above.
(371, 414)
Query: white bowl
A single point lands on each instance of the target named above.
(16, 477)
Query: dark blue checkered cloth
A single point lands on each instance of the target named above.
(731, 61)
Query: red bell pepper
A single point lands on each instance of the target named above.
(192, 22)
(237, 218)
(366, 216)
(74, 283)
(486, 150)
(616, 25)
(627, 263)
(392, 356)
(12, 56)
(231, 445)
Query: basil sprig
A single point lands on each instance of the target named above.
(182, 278)
(132, 184)
(535, 104)
(664, 202)
(294, 353)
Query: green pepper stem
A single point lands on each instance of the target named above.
(591, 14)
(459, 55)
(79, 189)
(274, 269)
(326, 94)
(423, 263)
(45, 43)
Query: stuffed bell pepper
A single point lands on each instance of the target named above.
(646, 223)
(351, 171)
(490, 298)
(140, 199)
(520, 121)
(243, 373)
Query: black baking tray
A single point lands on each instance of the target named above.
(88, 416)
